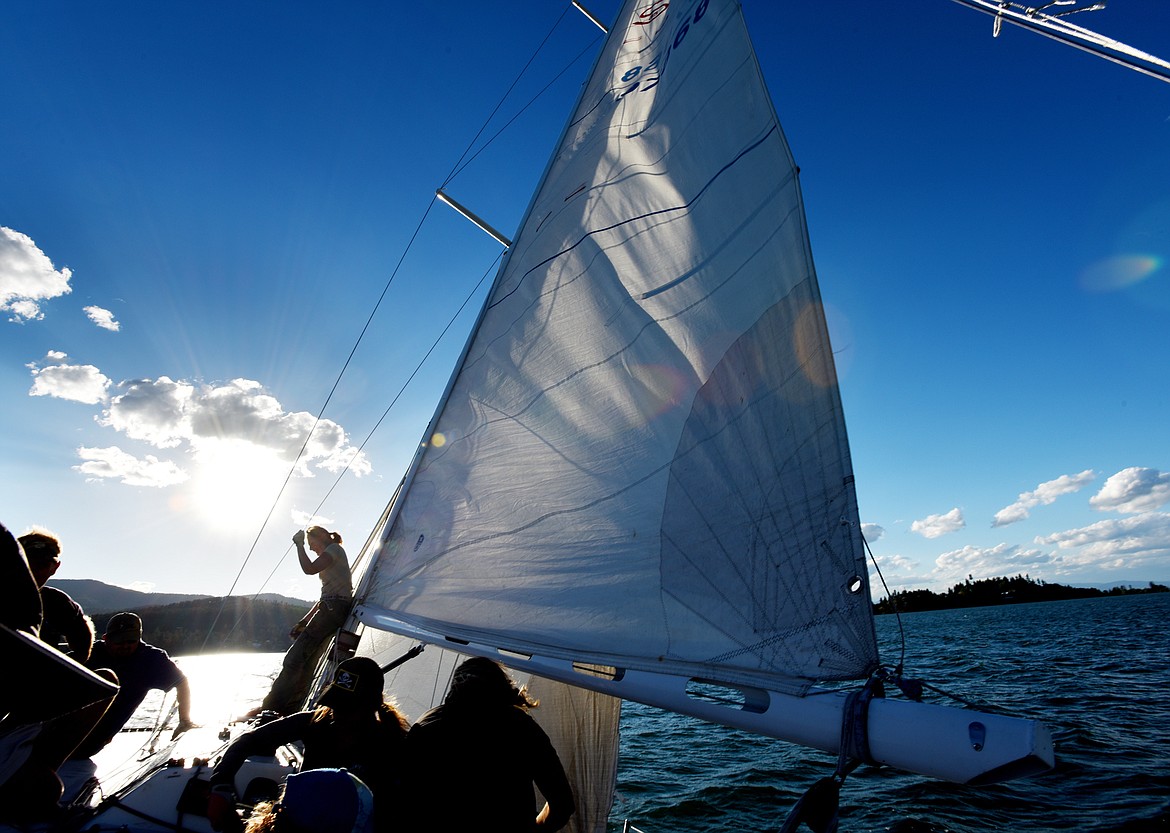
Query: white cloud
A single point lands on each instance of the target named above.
(75, 382)
(1115, 543)
(304, 520)
(935, 526)
(166, 414)
(893, 573)
(872, 532)
(27, 277)
(154, 411)
(1133, 490)
(1044, 494)
(984, 562)
(103, 318)
(203, 418)
(114, 463)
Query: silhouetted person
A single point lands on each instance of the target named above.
(474, 759)
(47, 704)
(353, 727)
(140, 667)
(313, 632)
(63, 619)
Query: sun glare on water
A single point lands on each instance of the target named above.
(236, 483)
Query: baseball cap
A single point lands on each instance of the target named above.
(123, 627)
(357, 683)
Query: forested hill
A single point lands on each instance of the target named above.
(244, 625)
(999, 591)
(97, 597)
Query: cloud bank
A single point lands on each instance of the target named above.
(1043, 495)
(1133, 490)
(114, 463)
(1115, 543)
(981, 562)
(27, 277)
(74, 382)
(169, 414)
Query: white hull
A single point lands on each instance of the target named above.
(952, 744)
(162, 791)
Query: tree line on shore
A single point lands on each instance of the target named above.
(999, 591)
(243, 625)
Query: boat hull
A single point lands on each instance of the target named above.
(953, 744)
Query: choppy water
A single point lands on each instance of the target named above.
(1096, 671)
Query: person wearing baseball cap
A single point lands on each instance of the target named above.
(352, 727)
(140, 667)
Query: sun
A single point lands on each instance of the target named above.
(236, 483)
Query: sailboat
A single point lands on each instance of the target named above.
(637, 485)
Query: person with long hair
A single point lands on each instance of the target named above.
(311, 635)
(482, 746)
(352, 727)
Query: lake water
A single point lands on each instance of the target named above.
(1096, 671)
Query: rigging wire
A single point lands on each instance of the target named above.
(908, 686)
(460, 165)
(316, 422)
(459, 168)
(893, 603)
(418, 367)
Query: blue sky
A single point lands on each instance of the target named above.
(201, 206)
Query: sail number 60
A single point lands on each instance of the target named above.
(659, 61)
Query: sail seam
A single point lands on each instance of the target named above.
(671, 209)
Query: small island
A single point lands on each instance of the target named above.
(986, 592)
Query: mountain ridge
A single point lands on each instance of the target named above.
(97, 597)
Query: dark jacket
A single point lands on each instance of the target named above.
(490, 758)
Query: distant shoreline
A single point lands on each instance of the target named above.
(993, 592)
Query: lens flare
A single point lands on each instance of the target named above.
(1118, 272)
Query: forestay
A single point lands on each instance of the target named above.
(642, 460)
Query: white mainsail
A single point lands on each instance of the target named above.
(642, 461)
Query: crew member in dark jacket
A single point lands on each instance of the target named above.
(63, 619)
(483, 747)
(353, 728)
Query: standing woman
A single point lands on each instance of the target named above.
(312, 633)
